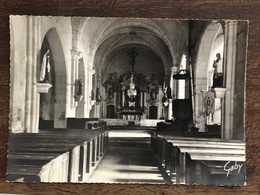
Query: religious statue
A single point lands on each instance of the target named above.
(108, 84)
(168, 92)
(93, 95)
(132, 55)
(98, 95)
(153, 94)
(110, 93)
(45, 68)
(78, 89)
(218, 71)
(131, 93)
(153, 88)
(165, 96)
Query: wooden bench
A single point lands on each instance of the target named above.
(223, 173)
(38, 167)
(85, 149)
(179, 155)
(53, 146)
(189, 156)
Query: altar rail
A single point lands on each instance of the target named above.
(122, 122)
(85, 123)
(200, 160)
(60, 155)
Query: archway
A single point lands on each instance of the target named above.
(53, 104)
(210, 44)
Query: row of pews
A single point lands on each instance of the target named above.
(57, 155)
(193, 160)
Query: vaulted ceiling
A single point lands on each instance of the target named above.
(166, 39)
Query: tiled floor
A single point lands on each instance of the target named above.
(128, 160)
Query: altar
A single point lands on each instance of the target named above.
(132, 96)
(131, 115)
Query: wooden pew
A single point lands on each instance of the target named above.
(212, 172)
(84, 155)
(180, 154)
(189, 156)
(41, 149)
(38, 167)
(97, 141)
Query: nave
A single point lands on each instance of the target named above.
(129, 159)
(125, 155)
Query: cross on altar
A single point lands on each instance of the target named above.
(132, 55)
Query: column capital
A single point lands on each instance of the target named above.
(90, 71)
(174, 70)
(75, 54)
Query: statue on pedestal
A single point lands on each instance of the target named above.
(218, 71)
(78, 89)
(45, 68)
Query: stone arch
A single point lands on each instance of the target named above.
(143, 50)
(108, 47)
(60, 77)
(114, 27)
(205, 50)
(202, 63)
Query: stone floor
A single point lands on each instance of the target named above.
(128, 160)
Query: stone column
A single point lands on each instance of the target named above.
(36, 63)
(220, 95)
(98, 109)
(141, 99)
(217, 114)
(88, 89)
(32, 98)
(170, 109)
(75, 54)
(146, 105)
(173, 83)
(230, 38)
(28, 113)
(160, 106)
(174, 70)
(123, 98)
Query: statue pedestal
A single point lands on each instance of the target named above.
(43, 87)
(220, 92)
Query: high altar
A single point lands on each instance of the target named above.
(132, 96)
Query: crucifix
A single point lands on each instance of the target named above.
(132, 55)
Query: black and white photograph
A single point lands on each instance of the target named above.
(127, 100)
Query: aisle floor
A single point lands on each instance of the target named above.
(128, 160)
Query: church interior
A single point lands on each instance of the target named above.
(127, 100)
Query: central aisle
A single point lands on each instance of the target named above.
(128, 160)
